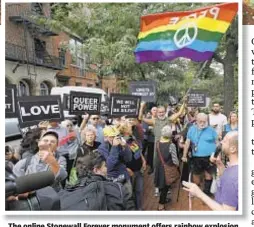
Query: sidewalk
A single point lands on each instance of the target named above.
(151, 202)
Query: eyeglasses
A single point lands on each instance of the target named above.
(69, 125)
(96, 118)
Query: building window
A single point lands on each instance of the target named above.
(44, 89)
(78, 56)
(62, 53)
(89, 85)
(40, 50)
(78, 84)
(37, 8)
(23, 88)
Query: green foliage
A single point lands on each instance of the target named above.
(109, 32)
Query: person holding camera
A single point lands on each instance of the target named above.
(116, 154)
(226, 197)
(45, 159)
(202, 139)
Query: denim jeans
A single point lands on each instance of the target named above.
(138, 189)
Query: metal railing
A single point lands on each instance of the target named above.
(18, 53)
(23, 9)
(20, 12)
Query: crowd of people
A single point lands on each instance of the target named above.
(99, 162)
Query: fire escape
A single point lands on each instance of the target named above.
(33, 51)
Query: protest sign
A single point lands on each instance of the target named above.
(145, 89)
(124, 105)
(66, 101)
(197, 98)
(10, 101)
(33, 109)
(27, 129)
(104, 108)
(81, 102)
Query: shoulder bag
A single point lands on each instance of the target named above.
(171, 171)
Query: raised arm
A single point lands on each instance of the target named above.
(150, 122)
(84, 122)
(173, 117)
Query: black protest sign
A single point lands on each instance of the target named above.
(66, 101)
(124, 105)
(33, 109)
(104, 108)
(25, 130)
(145, 89)
(197, 98)
(10, 101)
(81, 102)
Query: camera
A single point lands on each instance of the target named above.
(40, 197)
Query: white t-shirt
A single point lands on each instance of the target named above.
(220, 120)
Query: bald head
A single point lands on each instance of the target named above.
(230, 145)
(233, 139)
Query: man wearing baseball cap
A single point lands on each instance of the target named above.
(45, 159)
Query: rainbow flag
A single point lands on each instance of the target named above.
(191, 34)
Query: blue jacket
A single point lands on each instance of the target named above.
(116, 158)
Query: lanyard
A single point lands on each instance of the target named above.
(199, 136)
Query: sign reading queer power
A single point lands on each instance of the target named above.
(145, 89)
(10, 101)
(81, 102)
(33, 109)
(197, 98)
(124, 105)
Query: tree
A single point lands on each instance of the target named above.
(110, 33)
(228, 57)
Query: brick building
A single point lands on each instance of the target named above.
(31, 62)
(37, 59)
(76, 70)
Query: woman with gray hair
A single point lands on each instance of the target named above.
(168, 153)
(89, 143)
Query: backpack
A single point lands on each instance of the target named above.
(90, 197)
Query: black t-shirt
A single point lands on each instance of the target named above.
(87, 149)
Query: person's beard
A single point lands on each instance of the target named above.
(161, 118)
(216, 111)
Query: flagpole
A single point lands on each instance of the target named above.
(195, 78)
